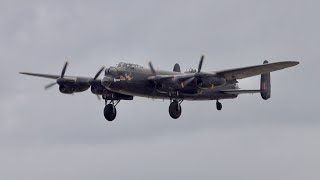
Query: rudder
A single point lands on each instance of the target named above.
(265, 85)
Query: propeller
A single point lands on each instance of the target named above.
(200, 64)
(50, 85)
(62, 75)
(64, 69)
(99, 72)
(152, 68)
(197, 74)
(93, 82)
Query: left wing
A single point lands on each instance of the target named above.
(229, 74)
(245, 72)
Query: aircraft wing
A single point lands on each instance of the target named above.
(245, 72)
(179, 77)
(239, 91)
(51, 76)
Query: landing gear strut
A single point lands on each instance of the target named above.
(175, 109)
(110, 111)
(219, 106)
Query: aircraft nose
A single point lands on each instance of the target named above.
(112, 71)
(107, 81)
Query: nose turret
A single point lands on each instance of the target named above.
(107, 81)
(112, 71)
(110, 75)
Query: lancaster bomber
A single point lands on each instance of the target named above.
(126, 80)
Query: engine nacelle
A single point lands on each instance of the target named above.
(97, 88)
(70, 88)
(211, 82)
(66, 89)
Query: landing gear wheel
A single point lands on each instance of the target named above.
(110, 112)
(175, 110)
(219, 106)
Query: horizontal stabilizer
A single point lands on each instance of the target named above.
(239, 91)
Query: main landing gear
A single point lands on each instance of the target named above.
(175, 109)
(110, 111)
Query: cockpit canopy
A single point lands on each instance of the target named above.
(190, 70)
(128, 66)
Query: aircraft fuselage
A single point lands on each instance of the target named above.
(133, 82)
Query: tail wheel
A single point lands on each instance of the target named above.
(110, 112)
(219, 106)
(175, 110)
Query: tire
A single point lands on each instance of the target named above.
(175, 110)
(110, 112)
(219, 106)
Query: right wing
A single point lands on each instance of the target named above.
(49, 76)
(245, 72)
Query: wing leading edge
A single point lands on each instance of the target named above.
(245, 72)
(49, 76)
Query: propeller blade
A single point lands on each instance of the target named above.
(152, 68)
(200, 63)
(99, 72)
(49, 85)
(186, 82)
(64, 69)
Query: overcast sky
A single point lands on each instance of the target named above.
(48, 135)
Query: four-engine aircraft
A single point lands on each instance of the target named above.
(126, 80)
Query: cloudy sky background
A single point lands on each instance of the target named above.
(48, 135)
